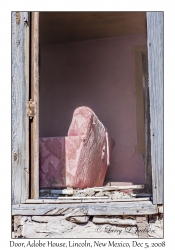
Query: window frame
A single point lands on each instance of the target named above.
(31, 187)
(34, 124)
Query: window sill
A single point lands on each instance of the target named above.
(38, 207)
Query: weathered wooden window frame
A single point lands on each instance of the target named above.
(143, 110)
(35, 99)
(138, 51)
(155, 58)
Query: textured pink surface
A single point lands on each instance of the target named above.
(80, 159)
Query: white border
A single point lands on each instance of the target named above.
(5, 94)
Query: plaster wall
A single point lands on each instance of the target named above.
(41, 227)
(99, 74)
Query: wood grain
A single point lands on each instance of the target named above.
(155, 68)
(20, 94)
(114, 208)
(35, 98)
(75, 197)
(80, 200)
(111, 188)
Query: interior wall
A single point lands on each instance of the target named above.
(99, 74)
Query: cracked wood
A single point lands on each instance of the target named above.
(155, 67)
(20, 95)
(77, 209)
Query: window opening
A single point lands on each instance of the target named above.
(66, 59)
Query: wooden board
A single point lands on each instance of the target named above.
(160, 208)
(115, 183)
(112, 188)
(74, 198)
(147, 154)
(20, 95)
(35, 98)
(80, 200)
(141, 195)
(155, 68)
(115, 208)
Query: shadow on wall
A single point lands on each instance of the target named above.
(99, 74)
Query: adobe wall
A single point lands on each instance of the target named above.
(87, 227)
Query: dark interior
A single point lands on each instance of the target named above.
(87, 59)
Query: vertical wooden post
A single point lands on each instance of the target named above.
(142, 110)
(155, 69)
(35, 98)
(147, 154)
(20, 95)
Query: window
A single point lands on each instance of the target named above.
(100, 67)
(34, 91)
